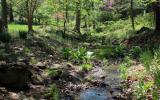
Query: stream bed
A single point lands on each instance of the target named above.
(111, 90)
(95, 94)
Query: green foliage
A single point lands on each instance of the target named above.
(135, 51)
(27, 50)
(120, 50)
(86, 67)
(66, 52)
(146, 58)
(123, 71)
(155, 67)
(105, 53)
(5, 37)
(33, 61)
(53, 72)
(152, 65)
(108, 16)
(127, 61)
(112, 51)
(76, 55)
(23, 34)
(141, 89)
(79, 55)
(54, 92)
(99, 29)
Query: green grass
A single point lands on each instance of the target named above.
(123, 28)
(15, 28)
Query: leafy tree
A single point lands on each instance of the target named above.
(31, 7)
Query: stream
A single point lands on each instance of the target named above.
(111, 78)
(110, 92)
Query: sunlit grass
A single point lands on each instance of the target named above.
(123, 28)
(15, 28)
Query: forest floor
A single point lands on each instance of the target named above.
(41, 55)
(52, 75)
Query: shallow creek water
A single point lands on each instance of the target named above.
(112, 79)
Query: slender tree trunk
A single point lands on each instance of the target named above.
(1, 25)
(157, 15)
(85, 22)
(30, 23)
(65, 19)
(4, 16)
(78, 18)
(11, 17)
(64, 30)
(94, 22)
(132, 15)
(39, 21)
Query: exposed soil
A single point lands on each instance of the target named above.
(41, 55)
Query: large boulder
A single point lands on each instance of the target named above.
(14, 75)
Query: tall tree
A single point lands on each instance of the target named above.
(157, 15)
(132, 15)
(11, 17)
(31, 7)
(4, 16)
(78, 16)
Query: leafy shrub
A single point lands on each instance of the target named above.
(54, 92)
(112, 51)
(27, 50)
(104, 53)
(146, 58)
(135, 51)
(141, 89)
(127, 60)
(23, 34)
(108, 16)
(60, 32)
(155, 67)
(120, 50)
(99, 29)
(66, 52)
(76, 55)
(86, 67)
(53, 72)
(79, 55)
(123, 71)
(33, 61)
(5, 37)
(151, 62)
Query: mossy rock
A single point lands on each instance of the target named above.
(14, 75)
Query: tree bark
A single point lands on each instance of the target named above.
(1, 25)
(11, 17)
(157, 15)
(132, 15)
(30, 23)
(4, 16)
(78, 18)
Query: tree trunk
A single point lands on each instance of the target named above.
(65, 19)
(157, 15)
(132, 15)
(30, 24)
(78, 18)
(94, 22)
(64, 30)
(39, 21)
(1, 25)
(11, 17)
(85, 22)
(4, 16)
